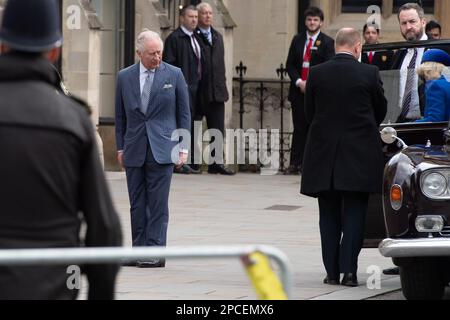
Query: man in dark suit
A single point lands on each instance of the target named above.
(383, 60)
(412, 22)
(213, 89)
(307, 50)
(343, 161)
(182, 49)
(152, 102)
(52, 182)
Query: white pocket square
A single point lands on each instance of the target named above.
(168, 86)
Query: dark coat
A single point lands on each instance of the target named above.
(294, 63)
(344, 104)
(383, 60)
(214, 83)
(178, 52)
(50, 177)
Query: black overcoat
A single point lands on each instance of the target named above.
(214, 83)
(344, 104)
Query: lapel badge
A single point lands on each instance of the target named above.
(318, 43)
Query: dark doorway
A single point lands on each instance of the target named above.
(302, 6)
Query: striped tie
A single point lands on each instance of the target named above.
(407, 98)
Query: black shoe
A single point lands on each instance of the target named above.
(349, 280)
(194, 169)
(292, 171)
(392, 271)
(152, 263)
(331, 281)
(220, 169)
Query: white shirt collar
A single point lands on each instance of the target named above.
(189, 33)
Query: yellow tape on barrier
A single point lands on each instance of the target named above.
(263, 278)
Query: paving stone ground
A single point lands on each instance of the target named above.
(239, 210)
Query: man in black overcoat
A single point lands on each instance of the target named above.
(213, 88)
(183, 49)
(343, 161)
(307, 49)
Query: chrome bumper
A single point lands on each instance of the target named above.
(423, 247)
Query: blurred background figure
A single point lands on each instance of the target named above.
(383, 60)
(433, 30)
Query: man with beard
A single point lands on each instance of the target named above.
(307, 50)
(382, 60)
(412, 27)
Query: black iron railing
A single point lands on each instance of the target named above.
(267, 98)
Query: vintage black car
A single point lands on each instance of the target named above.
(410, 219)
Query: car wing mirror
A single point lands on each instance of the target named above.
(389, 136)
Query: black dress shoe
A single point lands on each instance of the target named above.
(220, 169)
(331, 281)
(152, 263)
(349, 280)
(292, 171)
(392, 271)
(194, 169)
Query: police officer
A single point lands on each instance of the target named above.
(51, 175)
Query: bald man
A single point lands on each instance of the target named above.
(343, 163)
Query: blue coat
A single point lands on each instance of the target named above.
(168, 111)
(437, 107)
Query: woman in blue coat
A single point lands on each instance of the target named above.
(437, 88)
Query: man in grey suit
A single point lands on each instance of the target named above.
(152, 102)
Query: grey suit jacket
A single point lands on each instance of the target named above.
(168, 111)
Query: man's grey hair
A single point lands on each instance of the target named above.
(147, 35)
(409, 6)
(203, 5)
(347, 37)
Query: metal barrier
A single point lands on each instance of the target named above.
(119, 255)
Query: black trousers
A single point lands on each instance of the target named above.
(300, 132)
(214, 112)
(342, 220)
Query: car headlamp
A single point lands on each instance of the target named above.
(434, 185)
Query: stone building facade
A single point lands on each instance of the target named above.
(99, 35)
